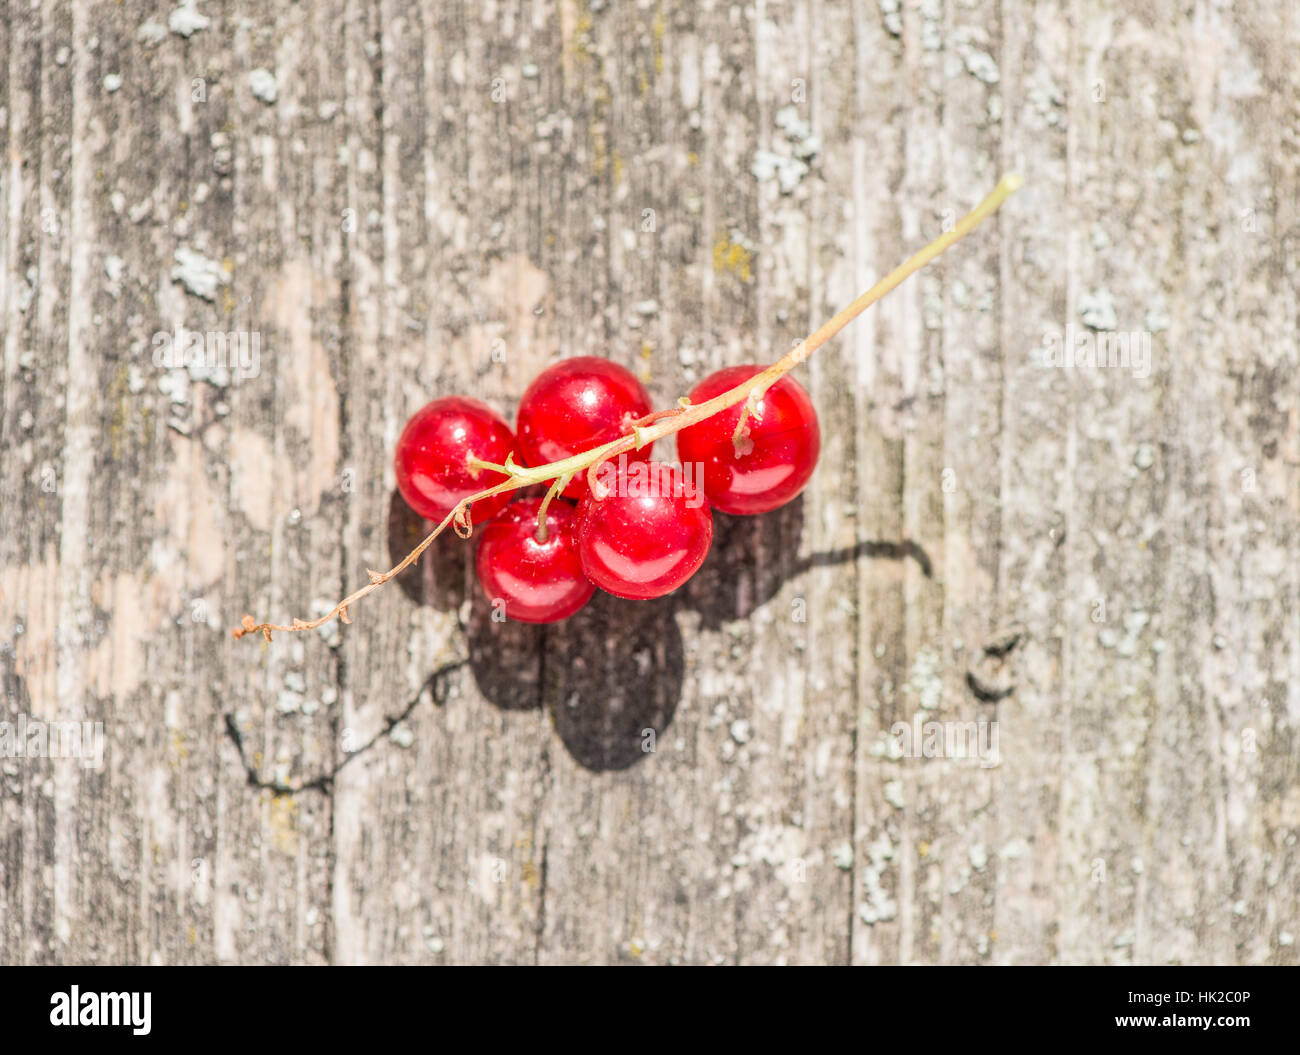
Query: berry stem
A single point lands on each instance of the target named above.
(561, 482)
(508, 469)
(658, 415)
(663, 423)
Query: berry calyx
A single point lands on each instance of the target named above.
(774, 455)
(539, 580)
(434, 460)
(577, 404)
(649, 532)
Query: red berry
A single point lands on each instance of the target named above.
(648, 534)
(576, 405)
(432, 469)
(540, 582)
(783, 444)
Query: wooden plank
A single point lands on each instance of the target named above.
(33, 430)
(445, 297)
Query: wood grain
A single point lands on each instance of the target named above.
(1102, 564)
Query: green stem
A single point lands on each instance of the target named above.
(561, 482)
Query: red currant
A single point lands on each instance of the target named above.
(540, 582)
(647, 535)
(433, 472)
(783, 442)
(576, 405)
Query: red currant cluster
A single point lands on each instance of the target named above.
(636, 528)
(639, 528)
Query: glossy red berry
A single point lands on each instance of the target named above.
(432, 469)
(576, 405)
(648, 535)
(781, 453)
(540, 582)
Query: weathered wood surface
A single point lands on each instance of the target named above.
(443, 197)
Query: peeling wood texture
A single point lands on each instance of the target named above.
(417, 199)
